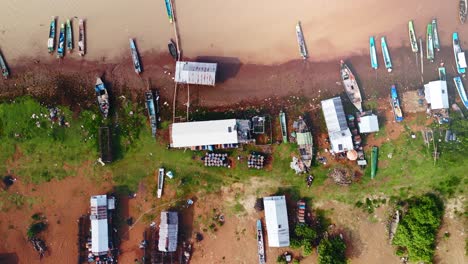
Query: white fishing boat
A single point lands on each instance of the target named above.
(260, 243)
(81, 38)
(160, 182)
(351, 86)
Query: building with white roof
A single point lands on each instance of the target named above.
(340, 136)
(436, 94)
(368, 123)
(168, 229)
(99, 225)
(276, 218)
(195, 73)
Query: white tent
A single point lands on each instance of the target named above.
(436, 94)
(99, 225)
(195, 73)
(203, 133)
(276, 217)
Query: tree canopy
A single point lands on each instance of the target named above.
(332, 251)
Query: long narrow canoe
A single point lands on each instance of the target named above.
(160, 182)
(386, 55)
(461, 91)
(151, 112)
(351, 86)
(435, 33)
(284, 126)
(396, 105)
(69, 36)
(3, 67)
(51, 40)
(412, 37)
(429, 43)
(260, 243)
(457, 51)
(373, 53)
(102, 97)
(135, 58)
(169, 11)
(300, 41)
(61, 42)
(374, 160)
(442, 74)
(81, 38)
(463, 10)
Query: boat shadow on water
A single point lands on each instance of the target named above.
(228, 67)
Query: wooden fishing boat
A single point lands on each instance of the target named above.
(463, 10)
(373, 54)
(412, 37)
(442, 74)
(135, 58)
(435, 34)
(51, 41)
(351, 86)
(102, 97)
(151, 112)
(459, 54)
(461, 91)
(429, 43)
(304, 141)
(81, 38)
(172, 49)
(69, 36)
(374, 160)
(169, 11)
(284, 126)
(3, 66)
(61, 42)
(396, 105)
(160, 182)
(300, 41)
(260, 243)
(386, 55)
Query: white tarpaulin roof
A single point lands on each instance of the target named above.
(368, 124)
(195, 73)
(99, 227)
(341, 141)
(168, 230)
(436, 94)
(461, 59)
(334, 114)
(276, 217)
(203, 133)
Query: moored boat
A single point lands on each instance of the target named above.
(412, 37)
(304, 141)
(151, 112)
(386, 55)
(435, 34)
(260, 243)
(300, 41)
(160, 182)
(169, 11)
(61, 42)
(51, 41)
(374, 160)
(81, 38)
(442, 74)
(461, 91)
(135, 58)
(351, 86)
(102, 97)
(463, 9)
(69, 36)
(373, 53)
(172, 49)
(5, 72)
(429, 43)
(459, 54)
(396, 105)
(284, 126)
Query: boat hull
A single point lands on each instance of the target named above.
(169, 11)
(461, 91)
(442, 74)
(4, 68)
(396, 108)
(429, 43)
(260, 243)
(435, 33)
(351, 86)
(386, 54)
(135, 57)
(61, 42)
(151, 112)
(51, 40)
(373, 53)
(160, 182)
(81, 38)
(284, 126)
(463, 10)
(412, 37)
(300, 41)
(172, 49)
(102, 97)
(69, 37)
(457, 49)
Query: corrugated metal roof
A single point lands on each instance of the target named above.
(168, 230)
(276, 217)
(334, 114)
(368, 124)
(99, 226)
(195, 73)
(304, 138)
(203, 133)
(436, 94)
(341, 141)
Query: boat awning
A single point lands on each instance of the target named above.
(461, 59)
(276, 218)
(368, 124)
(304, 138)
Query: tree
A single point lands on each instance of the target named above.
(332, 251)
(418, 228)
(303, 236)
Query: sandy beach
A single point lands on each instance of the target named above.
(259, 32)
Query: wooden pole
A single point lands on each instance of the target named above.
(188, 101)
(422, 60)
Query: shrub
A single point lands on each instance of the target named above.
(332, 251)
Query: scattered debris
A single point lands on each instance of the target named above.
(341, 176)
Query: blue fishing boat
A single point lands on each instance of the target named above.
(300, 41)
(461, 91)
(151, 112)
(459, 54)
(169, 11)
(69, 36)
(102, 97)
(51, 41)
(135, 58)
(61, 42)
(386, 55)
(435, 33)
(260, 243)
(396, 105)
(373, 54)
